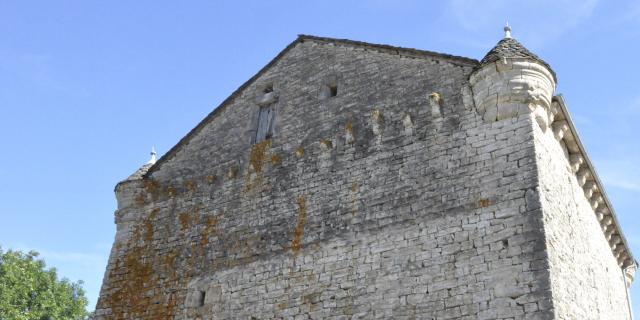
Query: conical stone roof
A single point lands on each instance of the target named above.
(510, 48)
(140, 172)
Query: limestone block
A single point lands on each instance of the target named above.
(408, 124)
(435, 101)
(575, 161)
(629, 271)
(467, 97)
(615, 239)
(596, 201)
(589, 188)
(377, 122)
(349, 136)
(267, 99)
(554, 111)
(559, 129)
(582, 175)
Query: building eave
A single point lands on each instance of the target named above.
(587, 161)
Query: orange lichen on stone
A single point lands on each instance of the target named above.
(349, 127)
(148, 225)
(209, 228)
(326, 143)
(184, 221)
(138, 294)
(211, 179)
(139, 199)
(172, 191)
(151, 185)
(297, 234)
(257, 156)
(349, 132)
(190, 185)
(300, 152)
(276, 159)
(257, 160)
(170, 258)
(483, 203)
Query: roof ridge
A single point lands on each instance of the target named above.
(389, 48)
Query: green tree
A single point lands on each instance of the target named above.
(30, 292)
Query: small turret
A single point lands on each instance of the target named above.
(511, 81)
(129, 195)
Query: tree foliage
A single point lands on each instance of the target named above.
(30, 292)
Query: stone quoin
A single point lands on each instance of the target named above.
(349, 180)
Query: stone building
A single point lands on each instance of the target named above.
(349, 180)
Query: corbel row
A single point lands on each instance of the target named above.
(587, 181)
(377, 119)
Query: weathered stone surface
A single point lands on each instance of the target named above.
(392, 199)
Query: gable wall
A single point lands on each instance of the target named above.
(345, 211)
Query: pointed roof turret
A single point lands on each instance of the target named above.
(144, 168)
(510, 48)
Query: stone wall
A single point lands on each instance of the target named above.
(586, 278)
(393, 199)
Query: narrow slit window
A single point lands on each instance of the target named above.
(333, 90)
(201, 297)
(264, 131)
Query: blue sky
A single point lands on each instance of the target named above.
(87, 87)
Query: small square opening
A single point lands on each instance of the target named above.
(333, 90)
(268, 88)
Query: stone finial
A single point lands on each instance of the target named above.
(507, 31)
(153, 155)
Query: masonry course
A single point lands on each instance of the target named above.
(396, 184)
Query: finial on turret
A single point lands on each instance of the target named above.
(507, 31)
(153, 155)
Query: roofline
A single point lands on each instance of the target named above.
(563, 107)
(391, 49)
(218, 109)
(300, 39)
